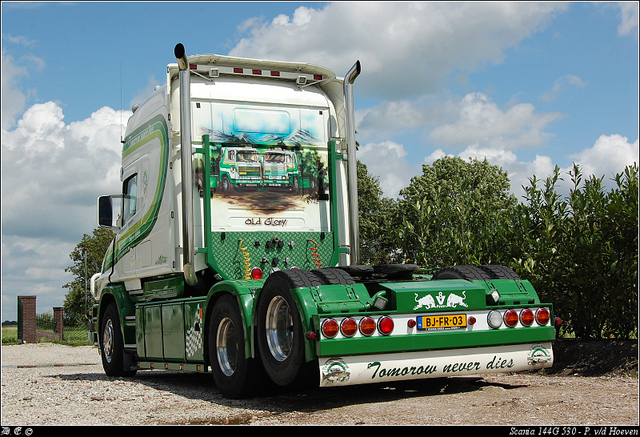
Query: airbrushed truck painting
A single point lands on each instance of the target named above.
(237, 248)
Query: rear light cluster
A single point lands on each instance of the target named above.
(526, 317)
(349, 327)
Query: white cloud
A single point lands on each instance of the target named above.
(53, 172)
(22, 40)
(419, 41)
(629, 18)
(387, 160)
(609, 155)
(481, 123)
(561, 84)
(13, 100)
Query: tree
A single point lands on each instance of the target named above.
(452, 214)
(95, 247)
(378, 220)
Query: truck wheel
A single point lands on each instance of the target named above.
(226, 184)
(235, 375)
(279, 329)
(112, 344)
(295, 185)
(469, 273)
(500, 272)
(331, 276)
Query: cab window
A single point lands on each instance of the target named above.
(130, 191)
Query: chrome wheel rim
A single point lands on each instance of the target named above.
(107, 341)
(279, 328)
(227, 347)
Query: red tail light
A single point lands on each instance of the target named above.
(511, 318)
(330, 328)
(367, 326)
(526, 317)
(256, 273)
(542, 316)
(349, 327)
(385, 325)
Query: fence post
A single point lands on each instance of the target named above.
(28, 318)
(58, 318)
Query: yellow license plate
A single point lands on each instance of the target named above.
(442, 322)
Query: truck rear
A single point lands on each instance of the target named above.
(237, 248)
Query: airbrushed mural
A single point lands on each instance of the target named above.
(268, 167)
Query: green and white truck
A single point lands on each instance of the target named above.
(266, 286)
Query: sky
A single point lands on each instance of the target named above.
(526, 85)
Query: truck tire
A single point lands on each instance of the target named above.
(500, 272)
(468, 273)
(112, 344)
(235, 375)
(226, 185)
(279, 329)
(331, 276)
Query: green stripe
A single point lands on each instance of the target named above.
(156, 128)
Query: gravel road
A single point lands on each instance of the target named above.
(49, 384)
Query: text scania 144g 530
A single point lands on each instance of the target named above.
(236, 248)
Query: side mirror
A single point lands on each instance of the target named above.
(106, 217)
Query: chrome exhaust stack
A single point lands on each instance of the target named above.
(352, 163)
(188, 237)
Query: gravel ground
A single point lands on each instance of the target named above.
(49, 384)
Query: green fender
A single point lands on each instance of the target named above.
(309, 317)
(244, 291)
(308, 310)
(117, 293)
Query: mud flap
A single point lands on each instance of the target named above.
(129, 362)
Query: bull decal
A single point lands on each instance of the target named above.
(452, 301)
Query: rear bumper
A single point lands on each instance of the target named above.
(366, 369)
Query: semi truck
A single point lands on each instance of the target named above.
(267, 286)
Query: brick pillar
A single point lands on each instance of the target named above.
(58, 317)
(28, 318)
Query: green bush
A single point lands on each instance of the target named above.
(581, 252)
